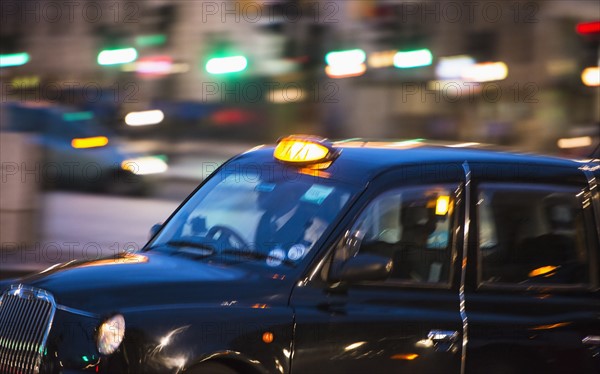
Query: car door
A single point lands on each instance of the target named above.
(532, 299)
(409, 322)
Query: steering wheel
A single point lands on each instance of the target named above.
(225, 238)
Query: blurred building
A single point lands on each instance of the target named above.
(525, 89)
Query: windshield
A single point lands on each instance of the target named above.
(266, 214)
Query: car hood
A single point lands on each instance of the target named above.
(155, 280)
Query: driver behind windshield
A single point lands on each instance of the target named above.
(275, 220)
(291, 221)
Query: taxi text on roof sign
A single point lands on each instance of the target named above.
(304, 150)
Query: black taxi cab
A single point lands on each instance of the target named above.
(355, 256)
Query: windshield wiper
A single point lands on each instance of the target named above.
(254, 255)
(190, 247)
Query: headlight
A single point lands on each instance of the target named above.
(111, 334)
(145, 165)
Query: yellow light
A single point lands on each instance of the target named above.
(381, 59)
(268, 337)
(93, 142)
(582, 141)
(300, 151)
(552, 326)
(407, 356)
(591, 76)
(544, 270)
(442, 205)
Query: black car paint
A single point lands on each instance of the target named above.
(311, 320)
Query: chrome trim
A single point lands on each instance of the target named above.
(591, 340)
(20, 340)
(443, 336)
(463, 272)
(595, 196)
(77, 311)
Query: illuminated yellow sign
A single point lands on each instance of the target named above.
(301, 151)
(93, 142)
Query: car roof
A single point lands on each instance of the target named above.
(361, 159)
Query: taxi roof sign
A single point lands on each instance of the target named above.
(304, 150)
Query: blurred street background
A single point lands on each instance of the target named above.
(113, 111)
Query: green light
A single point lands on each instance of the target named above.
(117, 56)
(150, 40)
(14, 59)
(413, 59)
(78, 116)
(226, 65)
(85, 358)
(351, 57)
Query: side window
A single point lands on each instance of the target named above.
(413, 227)
(533, 234)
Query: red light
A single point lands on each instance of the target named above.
(154, 66)
(232, 117)
(587, 28)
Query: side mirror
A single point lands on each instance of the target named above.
(363, 267)
(154, 230)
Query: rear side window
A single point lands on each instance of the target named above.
(413, 227)
(534, 234)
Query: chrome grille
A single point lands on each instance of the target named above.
(25, 318)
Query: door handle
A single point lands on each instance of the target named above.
(443, 336)
(591, 340)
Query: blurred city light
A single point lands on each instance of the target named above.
(591, 76)
(117, 56)
(413, 59)
(340, 59)
(345, 71)
(14, 59)
(485, 72)
(381, 59)
(453, 67)
(150, 40)
(345, 64)
(154, 66)
(588, 28)
(582, 141)
(145, 165)
(78, 116)
(226, 65)
(27, 81)
(144, 118)
(93, 142)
